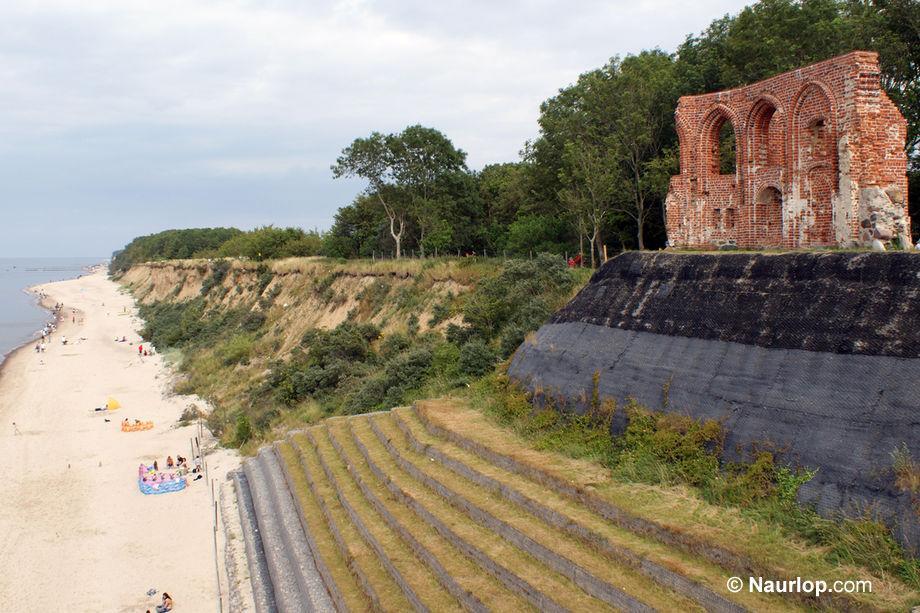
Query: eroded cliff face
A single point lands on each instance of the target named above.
(305, 293)
(815, 355)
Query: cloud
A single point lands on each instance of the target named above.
(236, 108)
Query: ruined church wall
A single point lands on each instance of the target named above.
(819, 162)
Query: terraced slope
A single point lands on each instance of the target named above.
(391, 512)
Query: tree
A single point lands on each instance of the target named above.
(421, 158)
(372, 159)
(359, 229)
(641, 100)
(403, 172)
(591, 177)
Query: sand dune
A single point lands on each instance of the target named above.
(75, 532)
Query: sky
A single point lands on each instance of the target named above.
(122, 118)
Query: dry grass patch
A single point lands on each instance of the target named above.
(469, 576)
(519, 563)
(697, 569)
(678, 509)
(391, 597)
(418, 576)
(351, 593)
(623, 577)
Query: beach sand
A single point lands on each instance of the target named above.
(75, 532)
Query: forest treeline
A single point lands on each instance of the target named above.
(598, 171)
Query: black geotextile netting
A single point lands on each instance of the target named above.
(811, 355)
(849, 303)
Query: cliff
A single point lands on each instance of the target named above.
(816, 356)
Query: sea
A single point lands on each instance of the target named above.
(21, 318)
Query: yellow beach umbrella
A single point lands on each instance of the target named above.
(112, 404)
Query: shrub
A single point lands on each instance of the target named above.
(253, 321)
(269, 242)
(439, 312)
(243, 430)
(906, 470)
(445, 360)
(476, 358)
(266, 276)
(236, 350)
(516, 301)
(219, 270)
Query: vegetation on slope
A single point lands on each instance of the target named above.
(398, 341)
(666, 449)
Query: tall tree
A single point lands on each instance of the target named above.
(403, 172)
(421, 159)
(372, 159)
(640, 100)
(591, 177)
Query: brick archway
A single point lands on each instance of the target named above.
(792, 132)
(768, 216)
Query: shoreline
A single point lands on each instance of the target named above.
(78, 515)
(41, 303)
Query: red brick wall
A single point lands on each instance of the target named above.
(819, 161)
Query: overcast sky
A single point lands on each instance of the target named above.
(122, 118)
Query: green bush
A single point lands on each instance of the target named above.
(439, 312)
(266, 276)
(236, 350)
(253, 321)
(171, 245)
(476, 358)
(516, 301)
(219, 270)
(269, 242)
(445, 360)
(243, 430)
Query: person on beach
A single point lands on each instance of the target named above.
(167, 604)
(155, 467)
(169, 462)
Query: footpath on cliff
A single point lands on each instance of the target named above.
(76, 533)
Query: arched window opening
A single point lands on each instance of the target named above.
(818, 138)
(767, 146)
(725, 160)
(768, 216)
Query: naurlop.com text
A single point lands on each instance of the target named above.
(798, 585)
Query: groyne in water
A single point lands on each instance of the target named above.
(815, 355)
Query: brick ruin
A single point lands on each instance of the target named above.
(819, 161)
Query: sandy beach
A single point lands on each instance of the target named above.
(76, 534)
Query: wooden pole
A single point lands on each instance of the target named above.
(605, 253)
(220, 598)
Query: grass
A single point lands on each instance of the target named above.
(417, 575)
(391, 597)
(328, 549)
(681, 562)
(561, 589)
(464, 572)
(626, 578)
(487, 588)
(854, 549)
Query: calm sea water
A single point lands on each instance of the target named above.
(20, 316)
